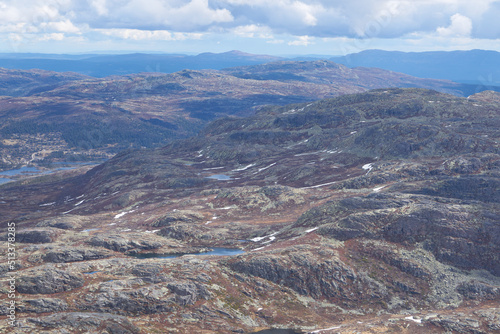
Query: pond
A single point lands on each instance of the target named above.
(20, 171)
(220, 177)
(34, 171)
(2, 180)
(215, 251)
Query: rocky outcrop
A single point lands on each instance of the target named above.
(184, 216)
(187, 293)
(68, 222)
(455, 234)
(36, 236)
(312, 271)
(132, 297)
(43, 305)
(123, 244)
(186, 232)
(87, 322)
(47, 281)
(72, 254)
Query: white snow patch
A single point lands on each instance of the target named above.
(112, 224)
(68, 211)
(243, 168)
(264, 168)
(301, 154)
(213, 168)
(368, 167)
(378, 189)
(353, 132)
(48, 204)
(270, 240)
(260, 308)
(79, 202)
(319, 185)
(123, 214)
(257, 239)
(153, 231)
(227, 207)
(258, 248)
(80, 196)
(126, 230)
(417, 320)
(312, 229)
(208, 222)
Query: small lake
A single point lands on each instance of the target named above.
(220, 177)
(215, 251)
(34, 171)
(20, 171)
(2, 180)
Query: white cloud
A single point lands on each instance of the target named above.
(292, 22)
(65, 26)
(100, 7)
(253, 31)
(54, 36)
(302, 41)
(138, 35)
(461, 26)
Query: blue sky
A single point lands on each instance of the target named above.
(279, 27)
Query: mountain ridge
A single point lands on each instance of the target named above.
(151, 109)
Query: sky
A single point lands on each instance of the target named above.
(277, 27)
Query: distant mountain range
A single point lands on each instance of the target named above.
(105, 65)
(476, 67)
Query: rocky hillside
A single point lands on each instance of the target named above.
(48, 117)
(368, 213)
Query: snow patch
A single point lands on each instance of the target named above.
(261, 169)
(123, 214)
(376, 190)
(319, 185)
(312, 229)
(415, 319)
(243, 168)
(368, 167)
(48, 204)
(257, 239)
(69, 211)
(213, 168)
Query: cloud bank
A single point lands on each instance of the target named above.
(304, 21)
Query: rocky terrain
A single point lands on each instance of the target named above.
(375, 212)
(48, 117)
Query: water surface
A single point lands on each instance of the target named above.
(221, 251)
